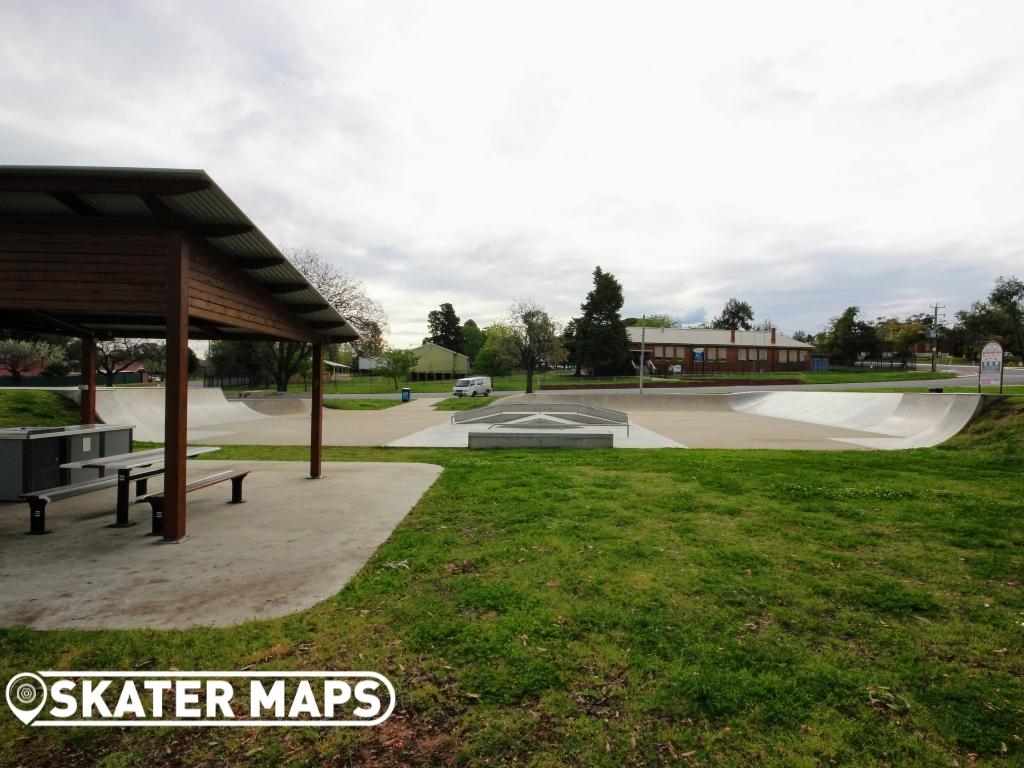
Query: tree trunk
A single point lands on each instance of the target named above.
(109, 377)
(529, 381)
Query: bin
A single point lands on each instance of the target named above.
(406, 394)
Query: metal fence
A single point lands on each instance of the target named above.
(235, 380)
(895, 363)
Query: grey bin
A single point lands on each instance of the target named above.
(30, 457)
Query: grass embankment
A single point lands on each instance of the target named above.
(1010, 390)
(611, 608)
(463, 403)
(375, 385)
(35, 408)
(361, 405)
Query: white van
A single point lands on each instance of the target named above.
(477, 385)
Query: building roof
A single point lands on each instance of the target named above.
(173, 199)
(438, 346)
(713, 337)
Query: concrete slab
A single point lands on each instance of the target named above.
(294, 543)
(457, 436)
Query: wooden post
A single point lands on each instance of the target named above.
(316, 427)
(176, 402)
(87, 388)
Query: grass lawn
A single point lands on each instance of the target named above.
(517, 381)
(609, 608)
(35, 408)
(463, 403)
(361, 405)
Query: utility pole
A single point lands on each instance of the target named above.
(934, 332)
(643, 339)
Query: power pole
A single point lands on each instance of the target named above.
(935, 332)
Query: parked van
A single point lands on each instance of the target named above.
(477, 385)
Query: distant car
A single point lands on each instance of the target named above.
(477, 385)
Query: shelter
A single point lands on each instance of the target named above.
(100, 253)
(437, 362)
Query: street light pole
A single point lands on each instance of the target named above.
(643, 340)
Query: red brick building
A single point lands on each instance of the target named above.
(709, 350)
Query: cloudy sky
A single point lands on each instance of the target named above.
(802, 156)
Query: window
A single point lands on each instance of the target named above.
(762, 354)
(659, 351)
(741, 354)
(803, 355)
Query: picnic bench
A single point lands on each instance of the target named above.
(124, 464)
(234, 474)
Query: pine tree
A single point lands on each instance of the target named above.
(602, 342)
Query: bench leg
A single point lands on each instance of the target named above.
(157, 503)
(141, 486)
(123, 500)
(37, 517)
(236, 490)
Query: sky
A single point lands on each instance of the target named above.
(802, 156)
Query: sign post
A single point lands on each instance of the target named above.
(990, 368)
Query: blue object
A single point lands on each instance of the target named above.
(406, 394)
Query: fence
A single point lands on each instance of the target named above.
(232, 380)
(895, 363)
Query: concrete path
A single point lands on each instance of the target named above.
(294, 543)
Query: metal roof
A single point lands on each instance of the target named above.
(182, 199)
(713, 337)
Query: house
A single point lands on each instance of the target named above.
(710, 350)
(437, 362)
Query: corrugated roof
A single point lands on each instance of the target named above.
(713, 337)
(175, 198)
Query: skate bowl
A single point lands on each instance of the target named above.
(208, 409)
(802, 420)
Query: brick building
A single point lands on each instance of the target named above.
(709, 350)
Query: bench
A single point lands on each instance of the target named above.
(234, 474)
(37, 500)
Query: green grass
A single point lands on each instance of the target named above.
(361, 405)
(1010, 389)
(608, 608)
(463, 403)
(35, 408)
(517, 381)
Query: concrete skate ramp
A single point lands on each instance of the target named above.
(144, 407)
(277, 406)
(804, 420)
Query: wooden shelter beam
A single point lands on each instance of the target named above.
(87, 386)
(316, 430)
(176, 405)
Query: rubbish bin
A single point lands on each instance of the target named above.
(406, 394)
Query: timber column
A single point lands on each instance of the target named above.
(316, 426)
(176, 403)
(87, 387)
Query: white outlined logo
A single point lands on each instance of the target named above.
(201, 699)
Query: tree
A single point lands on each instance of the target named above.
(284, 359)
(117, 355)
(472, 339)
(848, 337)
(497, 355)
(370, 343)
(652, 321)
(397, 364)
(19, 356)
(806, 338)
(602, 343)
(1008, 297)
(570, 340)
(444, 329)
(533, 339)
(735, 314)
